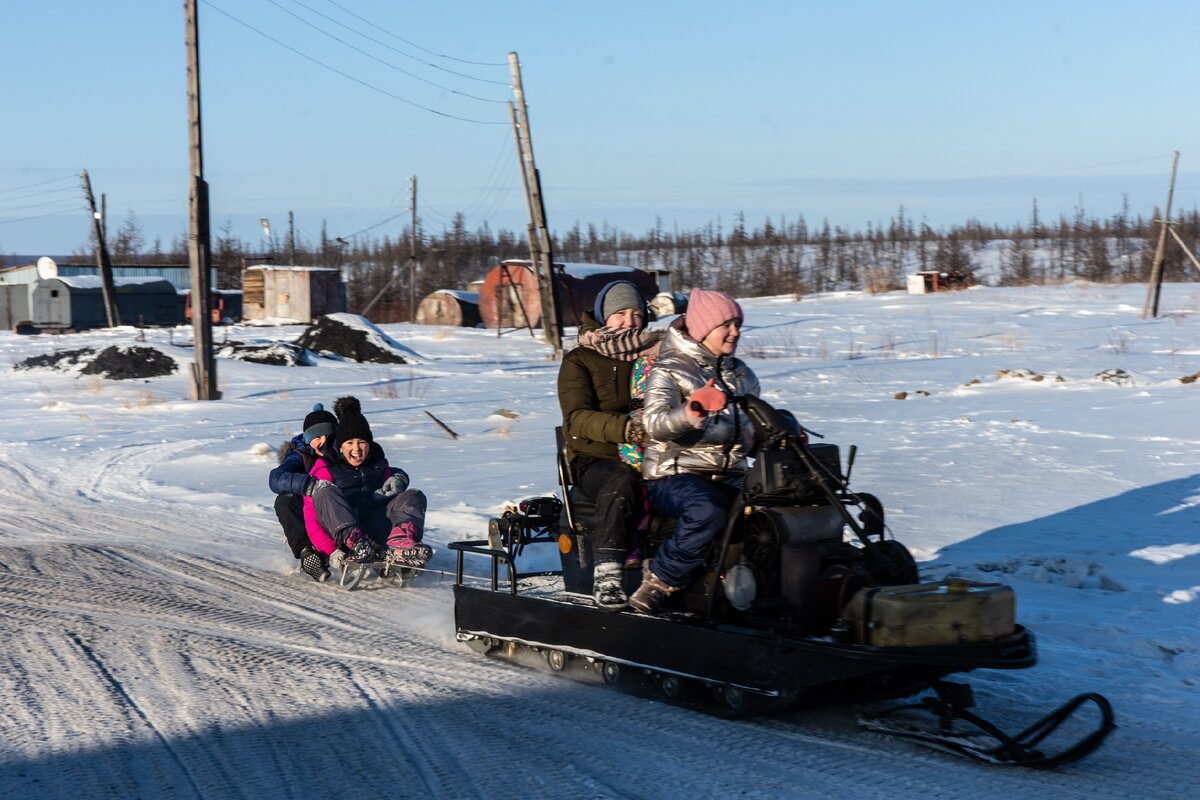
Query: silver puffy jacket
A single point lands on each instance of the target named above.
(673, 445)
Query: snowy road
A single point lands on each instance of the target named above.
(192, 679)
(157, 641)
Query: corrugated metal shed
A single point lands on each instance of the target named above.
(449, 307)
(179, 276)
(14, 306)
(78, 302)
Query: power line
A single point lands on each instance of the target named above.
(43, 193)
(377, 58)
(396, 49)
(377, 224)
(32, 205)
(72, 176)
(359, 81)
(492, 181)
(40, 216)
(419, 47)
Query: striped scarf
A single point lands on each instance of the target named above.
(623, 344)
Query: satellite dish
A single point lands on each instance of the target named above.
(46, 268)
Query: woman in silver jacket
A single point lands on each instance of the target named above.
(696, 441)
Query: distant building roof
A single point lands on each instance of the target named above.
(93, 281)
(470, 297)
(292, 268)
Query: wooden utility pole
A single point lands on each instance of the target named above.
(412, 266)
(107, 288)
(291, 239)
(540, 251)
(412, 255)
(204, 367)
(1154, 290)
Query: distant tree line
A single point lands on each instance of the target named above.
(775, 257)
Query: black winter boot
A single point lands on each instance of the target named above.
(362, 549)
(607, 590)
(313, 565)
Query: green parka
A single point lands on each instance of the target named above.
(593, 392)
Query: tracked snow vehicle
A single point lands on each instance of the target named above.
(805, 600)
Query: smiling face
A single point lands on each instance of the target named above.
(723, 339)
(355, 451)
(625, 318)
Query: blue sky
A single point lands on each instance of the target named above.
(688, 111)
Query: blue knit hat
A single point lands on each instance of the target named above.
(319, 422)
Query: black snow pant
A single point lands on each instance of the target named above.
(336, 514)
(616, 489)
(289, 508)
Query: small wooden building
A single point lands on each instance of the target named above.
(449, 307)
(509, 296)
(302, 294)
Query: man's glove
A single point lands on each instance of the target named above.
(314, 485)
(635, 432)
(393, 486)
(705, 399)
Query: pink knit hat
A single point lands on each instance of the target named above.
(706, 310)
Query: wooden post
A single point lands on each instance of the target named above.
(412, 267)
(541, 251)
(107, 288)
(1154, 289)
(291, 239)
(204, 367)
(412, 255)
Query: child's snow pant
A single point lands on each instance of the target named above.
(336, 514)
(701, 506)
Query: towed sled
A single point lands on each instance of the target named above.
(804, 601)
(353, 574)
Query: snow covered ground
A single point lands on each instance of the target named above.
(158, 640)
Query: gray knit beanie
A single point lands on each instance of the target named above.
(617, 296)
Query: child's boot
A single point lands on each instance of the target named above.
(405, 548)
(652, 594)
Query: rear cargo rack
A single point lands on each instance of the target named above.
(479, 547)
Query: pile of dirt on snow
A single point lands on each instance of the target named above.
(128, 363)
(115, 363)
(61, 360)
(330, 337)
(278, 354)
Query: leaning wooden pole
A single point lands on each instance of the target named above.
(204, 367)
(541, 251)
(1154, 289)
(108, 287)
